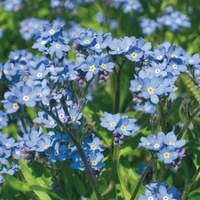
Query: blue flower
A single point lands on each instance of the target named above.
(26, 95)
(134, 54)
(153, 142)
(43, 143)
(94, 145)
(152, 89)
(3, 119)
(10, 103)
(163, 193)
(95, 160)
(31, 27)
(90, 67)
(59, 47)
(148, 26)
(171, 141)
(110, 121)
(57, 152)
(51, 31)
(175, 66)
(167, 155)
(125, 126)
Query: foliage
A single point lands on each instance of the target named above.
(99, 99)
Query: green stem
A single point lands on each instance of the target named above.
(162, 116)
(193, 115)
(149, 166)
(80, 150)
(189, 186)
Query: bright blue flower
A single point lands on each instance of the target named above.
(59, 47)
(156, 70)
(10, 103)
(125, 126)
(95, 144)
(95, 160)
(57, 152)
(167, 155)
(45, 119)
(9, 71)
(41, 44)
(134, 54)
(153, 142)
(110, 121)
(43, 143)
(193, 60)
(163, 193)
(77, 163)
(171, 141)
(152, 89)
(105, 64)
(26, 96)
(148, 196)
(175, 66)
(52, 31)
(86, 38)
(90, 67)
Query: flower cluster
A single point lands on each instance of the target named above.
(52, 40)
(175, 20)
(93, 152)
(10, 152)
(167, 148)
(31, 27)
(121, 126)
(11, 5)
(127, 5)
(67, 4)
(158, 74)
(160, 191)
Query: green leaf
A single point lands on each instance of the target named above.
(128, 178)
(42, 189)
(33, 178)
(15, 183)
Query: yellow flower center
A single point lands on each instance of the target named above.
(51, 32)
(94, 162)
(174, 55)
(92, 68)
(112, 124)
(134, 55)
(150, 90)
(15, 106)
(87, 41)
(123, 128)
(103, 66)
(171, 143)
(139, 87)
(166, 155)
(93, 147)
(26, 98)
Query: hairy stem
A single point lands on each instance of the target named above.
(149, 166)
